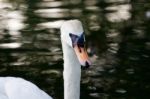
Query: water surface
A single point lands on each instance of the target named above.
(118, 42)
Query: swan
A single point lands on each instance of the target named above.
(74, 55)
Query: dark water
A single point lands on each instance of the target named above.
(118, 42)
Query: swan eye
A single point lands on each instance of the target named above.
(81, 39)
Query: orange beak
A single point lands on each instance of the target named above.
(82, 55)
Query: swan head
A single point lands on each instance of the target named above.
(72, 34)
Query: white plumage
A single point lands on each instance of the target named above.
(18, 88)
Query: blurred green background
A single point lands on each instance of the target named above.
(118, 42)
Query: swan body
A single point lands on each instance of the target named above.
(74, 55)
(18, 88)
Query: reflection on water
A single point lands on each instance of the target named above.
(118, 38)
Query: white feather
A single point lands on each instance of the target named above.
(18, 88)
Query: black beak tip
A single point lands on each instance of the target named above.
(86, 65)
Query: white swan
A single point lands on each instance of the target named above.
(74, 54)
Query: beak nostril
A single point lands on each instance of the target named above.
(80, 50)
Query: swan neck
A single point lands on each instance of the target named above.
(71, 73)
